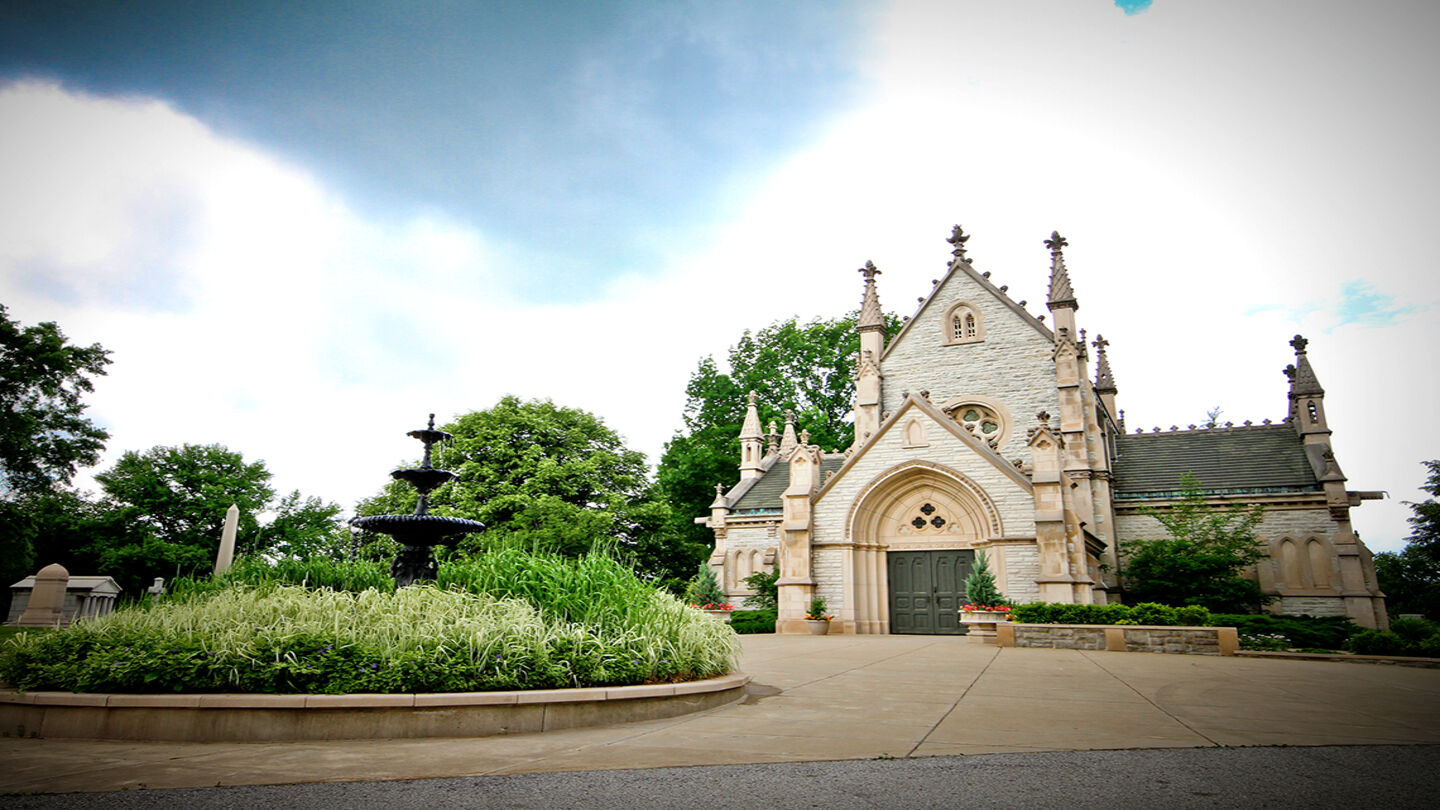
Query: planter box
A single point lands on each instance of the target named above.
(982, 623)
(1121, 638)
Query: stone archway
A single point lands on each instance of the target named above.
(918, 506)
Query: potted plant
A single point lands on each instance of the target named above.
(816, 618)
(985, 605)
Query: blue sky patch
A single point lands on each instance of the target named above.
(1132, 6)
(576, 131)
(1360, 303)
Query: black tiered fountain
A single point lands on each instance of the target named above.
(418, 532)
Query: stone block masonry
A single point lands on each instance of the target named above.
(1121, 638)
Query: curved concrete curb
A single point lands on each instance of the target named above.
(274, 718)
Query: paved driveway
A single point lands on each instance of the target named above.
(840, 697)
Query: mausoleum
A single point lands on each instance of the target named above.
(980, 428)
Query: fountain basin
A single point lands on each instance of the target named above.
(417, 530)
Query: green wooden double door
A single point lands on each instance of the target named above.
(927, 589)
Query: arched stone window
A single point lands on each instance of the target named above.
(1319, 562)
(915, 434)
(963, 324)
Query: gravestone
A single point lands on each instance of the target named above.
(47, 599)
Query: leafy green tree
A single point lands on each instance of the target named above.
(1410, 577)
(1204, 559)
(767, 590)
(44, 434)
(303, 527)
(542, 476)
(804, 368)
(173, 501)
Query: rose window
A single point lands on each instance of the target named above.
(980, 421)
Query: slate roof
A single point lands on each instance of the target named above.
(1263, 458)
(764, 494)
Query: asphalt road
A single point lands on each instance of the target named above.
(1299, 777)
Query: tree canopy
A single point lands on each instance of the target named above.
(171, 502)
(804, 368)
(538, 475)
(1410, 577)
(44, 434)
(1204, 559)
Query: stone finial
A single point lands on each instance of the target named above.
(805, 437)
(1061, 294)
(719, 489)
(1303, 382)
(957, 240)
(870, 315)
(1104, 379)
(925, 395)
(772, 438)
(1043, 417)
(788, 441)
(750, 429)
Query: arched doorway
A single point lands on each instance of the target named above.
(914, 532)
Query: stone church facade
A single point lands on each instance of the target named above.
(979, 428)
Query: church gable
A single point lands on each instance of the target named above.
(977, 354)
(921, 439)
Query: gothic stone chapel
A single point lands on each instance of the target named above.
(978, 428)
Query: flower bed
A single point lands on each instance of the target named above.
(520, 622)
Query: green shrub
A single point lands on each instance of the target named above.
(314, 572)
(817, 609)
(1414, 631)
(1320, 632)
(1376, 642)
(747, 622)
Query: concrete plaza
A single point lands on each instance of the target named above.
(834, 698)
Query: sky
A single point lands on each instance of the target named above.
(300, 228)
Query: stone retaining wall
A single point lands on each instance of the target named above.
(271, 718)
(1120, 638)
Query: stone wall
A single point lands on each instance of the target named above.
(1121, 638)
(1022, 568)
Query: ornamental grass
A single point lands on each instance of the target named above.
(506, 623)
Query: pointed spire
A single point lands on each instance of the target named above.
(788, 442)
(958, 238)
(751, 428)
(1302, 379)
(1061, 295)
(871, 318)
(1104, 379)
(719, 502)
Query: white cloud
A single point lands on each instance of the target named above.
(1214, 208)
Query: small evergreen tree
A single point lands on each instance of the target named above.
(980, 588)
(703, 589)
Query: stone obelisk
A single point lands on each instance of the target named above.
(227, 540)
